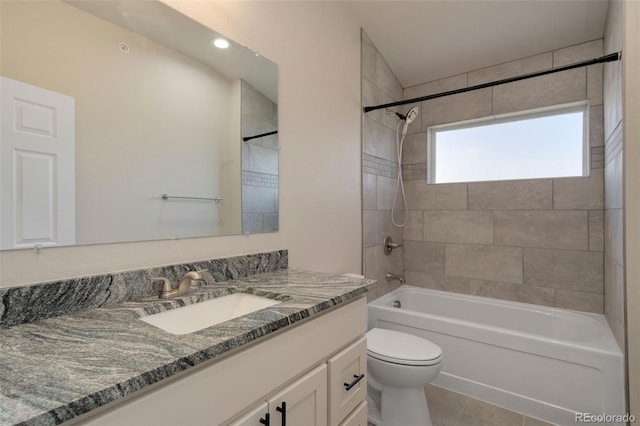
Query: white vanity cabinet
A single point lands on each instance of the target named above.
(307, 366)
(304, 402)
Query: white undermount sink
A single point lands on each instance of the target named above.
(190, 318)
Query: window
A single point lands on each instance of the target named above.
(535, 144)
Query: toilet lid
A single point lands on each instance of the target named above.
(402, 348)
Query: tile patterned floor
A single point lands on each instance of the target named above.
(449, 408)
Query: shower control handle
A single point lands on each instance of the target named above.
(388, 245)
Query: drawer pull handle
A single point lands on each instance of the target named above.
(355, 381)
(265, 421)
(283, 410)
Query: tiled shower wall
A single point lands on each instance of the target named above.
(536, 241)
(379, 169)
(259, 162)
(614, 302)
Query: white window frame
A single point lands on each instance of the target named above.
(581, 106)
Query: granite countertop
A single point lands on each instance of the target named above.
(59, 368)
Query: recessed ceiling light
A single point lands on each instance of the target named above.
(220, 43)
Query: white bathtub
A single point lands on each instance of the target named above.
(544, 362)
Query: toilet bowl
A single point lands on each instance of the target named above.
(399, 366)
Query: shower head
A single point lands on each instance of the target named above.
(411, 115)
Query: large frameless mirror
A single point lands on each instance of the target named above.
(124, 121)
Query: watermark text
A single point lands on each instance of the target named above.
(605, 418)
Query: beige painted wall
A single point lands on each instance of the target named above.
(148, 122)
(319, 112)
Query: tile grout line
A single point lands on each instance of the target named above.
(466, 401)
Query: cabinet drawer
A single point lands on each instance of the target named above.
(344, 369)
(358, 417)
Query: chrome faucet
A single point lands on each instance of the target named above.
(186, 285)
(398, 277)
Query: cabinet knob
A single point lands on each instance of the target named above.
(355, 381)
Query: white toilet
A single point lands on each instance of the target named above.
(399, 366)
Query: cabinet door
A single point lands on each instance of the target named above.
(255, 417)
(305, 401)
(358, 417)
(347, 380)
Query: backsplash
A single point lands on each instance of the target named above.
(43, 300)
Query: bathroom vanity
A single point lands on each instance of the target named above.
(301, 361)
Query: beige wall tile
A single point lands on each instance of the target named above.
(552, 89)
(386, 80)
(371, 261)
(473, 227)
(614, 235)
(438, 282)
(484, 262)
(612, 94)
(596, 230)
(534, 194)
(386, 228)
(596, 125)
(578, 53)
(544, 229)
(385, 188)
(379, 141)
(424, 196)
(463, 106)
(613, 182)
(377, 264)
(511, 69)
(515, 292)
(369, 228)
(614, 300)
(368, 61)
(372, 95)
(580, 301)
(580, 192)
(413, 228)
(564, 269)
(415, 149)
(424, 257)
(437, 86)
(595, 84)
(369, 195)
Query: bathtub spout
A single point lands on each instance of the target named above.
(398, 277)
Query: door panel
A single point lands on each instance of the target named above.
(306, 401)
(37, 163)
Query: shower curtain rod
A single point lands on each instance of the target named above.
(607, 58)
(262, 135)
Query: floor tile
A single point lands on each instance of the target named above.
(478, 413)
(529, 421)
(445, 406)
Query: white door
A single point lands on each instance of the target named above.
(37, 167)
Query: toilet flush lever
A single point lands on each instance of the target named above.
(388, 245)
(356, 379)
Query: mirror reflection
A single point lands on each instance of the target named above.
(109, 105)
